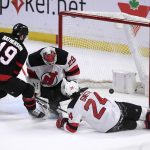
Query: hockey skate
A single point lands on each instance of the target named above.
(36, 113)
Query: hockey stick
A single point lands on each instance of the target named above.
(44, 103)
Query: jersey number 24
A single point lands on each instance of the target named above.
(90, 102)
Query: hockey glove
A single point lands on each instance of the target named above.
(60, 122)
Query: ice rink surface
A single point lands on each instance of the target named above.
(18, 131)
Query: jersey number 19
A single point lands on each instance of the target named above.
(8, 54)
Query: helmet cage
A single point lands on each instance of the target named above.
(49, 55)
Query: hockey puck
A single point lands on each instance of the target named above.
(111, 91)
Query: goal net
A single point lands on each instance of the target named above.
(119, 42)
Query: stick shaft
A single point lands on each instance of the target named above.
(42, 100)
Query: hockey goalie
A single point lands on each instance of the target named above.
(46, 69)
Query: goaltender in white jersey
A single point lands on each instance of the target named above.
(102, 114)
(46, 68)
(50, 65)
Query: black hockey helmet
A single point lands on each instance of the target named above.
(20, 31)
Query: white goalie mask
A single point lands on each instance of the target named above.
(69, 88)
(49, 55)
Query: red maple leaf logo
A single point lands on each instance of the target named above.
(141, 11)
(17, 4)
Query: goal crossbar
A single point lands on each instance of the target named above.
(104, 16)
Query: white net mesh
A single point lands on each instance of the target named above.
(116, 46)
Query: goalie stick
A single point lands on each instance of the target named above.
(44, 103)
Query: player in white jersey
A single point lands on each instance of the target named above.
(46, 68)
(102, 114)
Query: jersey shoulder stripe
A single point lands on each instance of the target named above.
(35, 59)
(61, 56)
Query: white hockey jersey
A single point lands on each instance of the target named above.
(100, 113)
(50, 75)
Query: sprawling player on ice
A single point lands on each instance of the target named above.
(102, 114)
(13, 55)
(46, 68)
